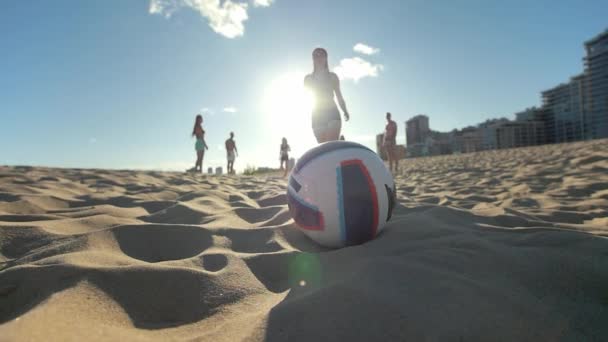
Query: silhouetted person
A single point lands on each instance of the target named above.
(390, 143)
(231, 153)
(326, 122)
(285, 149)
(342, 137)
(200, 146)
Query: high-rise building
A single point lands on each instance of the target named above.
(519, 134)
(542, 116)
(417, 136)
(469, 139)
(417, 129)
(596, 86)
(572, 111)
(545, 116)
(527, 114)
(487, 132)
(565, 102)
(441, 143)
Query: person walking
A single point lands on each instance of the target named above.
(326, 122)
(231, 153)
(390, 143)
(200, 146)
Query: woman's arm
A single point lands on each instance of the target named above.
(338, 92)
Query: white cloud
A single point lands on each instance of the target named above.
(230, 109)
(365, 49)
(162, 7)
(225, 17)
(207, 111)
(262, 3)
(357, 68)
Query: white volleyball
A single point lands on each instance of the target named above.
(340, 193)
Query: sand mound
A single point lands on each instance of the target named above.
(502, 245)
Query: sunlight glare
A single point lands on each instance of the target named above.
(288, 104)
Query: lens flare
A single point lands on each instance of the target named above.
(305, 271)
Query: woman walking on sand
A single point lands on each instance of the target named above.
(200, 146)
(285, 149)
(326, 122)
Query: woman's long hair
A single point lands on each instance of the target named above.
(197, 123)
(317, 53)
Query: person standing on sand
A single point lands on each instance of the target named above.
(231, 153)
(390, 143)
(326, 122)
(200, 146)
(285, 149)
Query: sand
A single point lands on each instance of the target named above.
(496, 246)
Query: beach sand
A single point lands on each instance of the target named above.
(504, 245)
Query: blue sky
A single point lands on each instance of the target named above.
(116, 84)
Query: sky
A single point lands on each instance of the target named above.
(117, 83)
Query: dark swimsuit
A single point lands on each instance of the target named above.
(325, 109)
(284, 152)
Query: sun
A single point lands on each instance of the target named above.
(287, 105)
(286, 98)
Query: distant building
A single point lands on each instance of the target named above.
(540, 115)
(565, 102)
(470, 140)
(529, 114)
(417, 137)
(596, 86)
(578, 110)
(441, 143)
(417, 129)
(572, 111)
(529, 130)
(519, 134)
(487, 131)
(546, 116)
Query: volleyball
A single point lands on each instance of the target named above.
(340, 193)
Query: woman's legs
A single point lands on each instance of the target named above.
(329, 131)
(195, 168)
(199, 160)
(286, 169)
